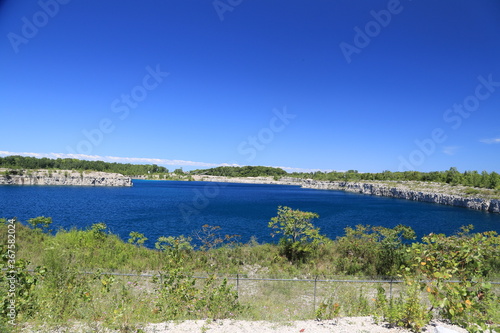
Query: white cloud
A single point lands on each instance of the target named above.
(450, 150)
(490, 141)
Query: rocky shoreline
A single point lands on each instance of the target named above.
(62, 177)
(434, 193)
(417, 191)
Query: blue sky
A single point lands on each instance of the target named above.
(330, 85)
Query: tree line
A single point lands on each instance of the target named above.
(245, 171)
(451, 176)
(26, 162)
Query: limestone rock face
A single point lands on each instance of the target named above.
(65, 177)
(249, 180)
(494, 206)
(425, 192)
(403, 192)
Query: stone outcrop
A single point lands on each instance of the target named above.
(402, 191)
(249, 180)
(63, 177)
(425, 192)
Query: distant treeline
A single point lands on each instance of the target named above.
(451, 176)
(245, 171)
(23, 162)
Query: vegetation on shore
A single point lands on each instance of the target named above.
(56, 291)
(451, 176)
(127, 169)
(245, 171)
(473, 179)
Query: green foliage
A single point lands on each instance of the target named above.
(451, 176)
(26, 162)
(245, 171)
(465, 257)
(299, 236)
(98, 230)
(137, 238)
(174, 247)
(40, 223)
(328, 310)
(373, 250)
(67, 289)
(181, 299)
(472, 191)
(18, 290)
(408, 310)
(179, 171)
(174, 244)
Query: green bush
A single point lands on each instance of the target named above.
(408, 310)
(375, 251)
(469, 302)
(180, 298)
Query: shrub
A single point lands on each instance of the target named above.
(299, 236)
(328, 310)
(40, 223)
(137, 238)
(373, 250)
(469, 302)
(408, 310)
(179, 298)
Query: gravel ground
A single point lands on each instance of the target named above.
(344, 325)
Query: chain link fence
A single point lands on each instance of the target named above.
(273, 298)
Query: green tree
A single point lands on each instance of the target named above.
(494, 180)
(299, 236)
(453, 176)
(179, 171)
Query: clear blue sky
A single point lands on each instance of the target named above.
(330, 85)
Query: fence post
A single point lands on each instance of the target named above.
(314, 300)
(390, 289)
(238, 284)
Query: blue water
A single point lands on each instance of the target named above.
(164, 208)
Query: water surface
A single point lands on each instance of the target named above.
(164, 208)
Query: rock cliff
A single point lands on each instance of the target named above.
(434, 193)
(249, 180)
(426, 192)
(63, 177)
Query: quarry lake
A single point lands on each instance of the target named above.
(171, 208)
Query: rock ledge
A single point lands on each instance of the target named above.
(63, 177)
